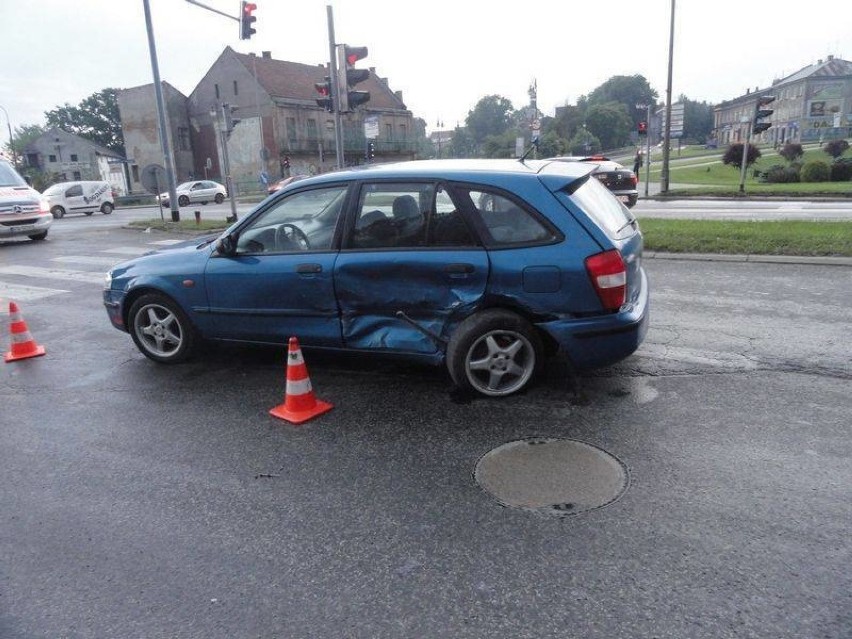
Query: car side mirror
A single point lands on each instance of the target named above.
(226, 245)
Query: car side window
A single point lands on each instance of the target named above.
(506, 222)
(391, 216)
(303, 221)
(74, 191)
(446, 223)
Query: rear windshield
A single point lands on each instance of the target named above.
(10, 177)
(604, 208)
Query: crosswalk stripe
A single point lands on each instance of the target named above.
(9, 292)
(127, 250)
(87, 259)
(166, 242)
(53, 273)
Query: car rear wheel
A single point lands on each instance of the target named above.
(160, 329)
(58, 212)
(106, 208)
(219, 198)
(494, 353)
(183, 200)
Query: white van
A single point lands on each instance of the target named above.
(80, 197)
(23, 211)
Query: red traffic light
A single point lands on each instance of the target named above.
(247, 19)
(642, 128)
(353, 54)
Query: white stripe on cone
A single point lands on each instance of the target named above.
(299, 387)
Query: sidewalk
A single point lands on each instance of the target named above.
(765, 259)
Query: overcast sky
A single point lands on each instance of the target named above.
(443, 55)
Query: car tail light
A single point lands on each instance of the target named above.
(609, 277)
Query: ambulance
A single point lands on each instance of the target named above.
(23, 211)
(80, 197)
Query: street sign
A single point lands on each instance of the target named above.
(371, 127)
(154, 179)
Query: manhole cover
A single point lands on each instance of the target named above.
(553, 476)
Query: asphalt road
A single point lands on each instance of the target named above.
(165, 502)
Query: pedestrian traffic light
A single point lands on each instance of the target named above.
(286, 162)
(642, 128)
(371, 150)
(247, 19)
(230, 120)
(348, 76)
(324, 89)
(760, 113)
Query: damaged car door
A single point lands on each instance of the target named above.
(409, 264)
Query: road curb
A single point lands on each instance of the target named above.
(765, 259)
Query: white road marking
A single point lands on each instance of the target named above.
(87, 259)
(16, 293)
(53, 273)
(127, 250)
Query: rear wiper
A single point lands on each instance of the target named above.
(630, 223)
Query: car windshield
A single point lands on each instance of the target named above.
(598, 201)
(10, 177)
(53, 190)
(185, 186)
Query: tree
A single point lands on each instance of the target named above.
(584, 143)
(698, 119)
(628, 90)
(492, 115)
(462, 144)
(22, 136)
(610, 123)
(734, 155)
(96, 118)
(836, 148)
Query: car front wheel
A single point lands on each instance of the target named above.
(494, 353)
(160, 329)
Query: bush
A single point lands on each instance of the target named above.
(836, 148)
(791, 151)
(779, 174)
(815, 171)
(841, 170)
(734, 155)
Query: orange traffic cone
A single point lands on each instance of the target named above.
(23, 345)
(299, 405)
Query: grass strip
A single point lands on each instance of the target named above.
(784, 237)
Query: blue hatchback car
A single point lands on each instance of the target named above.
(487, 266)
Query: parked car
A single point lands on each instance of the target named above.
(23, 210)
(487, 266)
(80, 197)
(614, 176)
(196, 192)
(280, 184)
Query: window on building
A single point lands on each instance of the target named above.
(389, 131)
(312, 129)
(51, 158)
(403, 131)
(183, 139)
(236, 88)
(216, 87)
(78, 175)
(73, 157)
(134, 170)
(291, 129)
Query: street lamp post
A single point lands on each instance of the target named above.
(11, 145)
(647, 144)
(440, 126)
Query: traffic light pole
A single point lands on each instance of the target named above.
(335, 84)
(745, 158)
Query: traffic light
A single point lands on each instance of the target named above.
(247, 19)
(760, 113)
(230, 120)
(286, 162)
(348, 76)
(324, 89)
(642, 128)
(371, 150)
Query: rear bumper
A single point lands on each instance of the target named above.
(591, 342)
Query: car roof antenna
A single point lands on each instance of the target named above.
(533, 145)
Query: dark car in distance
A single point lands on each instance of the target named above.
(485, 266)
(614, 176)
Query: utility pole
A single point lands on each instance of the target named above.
(664, 177)
(335, 83)
(161, 112)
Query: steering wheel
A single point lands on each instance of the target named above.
(289, 237)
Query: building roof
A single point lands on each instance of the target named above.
(57, 132)
(293, 80)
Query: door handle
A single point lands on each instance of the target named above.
(459, 269)
(307, 269)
